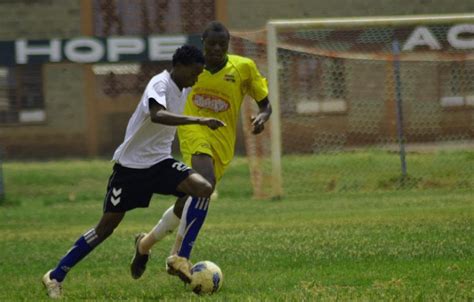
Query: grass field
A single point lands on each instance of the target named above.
(368, 243)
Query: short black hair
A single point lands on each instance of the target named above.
(215, 26)
(187, 55)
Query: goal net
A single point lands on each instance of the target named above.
(357, 101)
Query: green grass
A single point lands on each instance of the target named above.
(365, 242)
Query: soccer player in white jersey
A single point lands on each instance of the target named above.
(143, 162)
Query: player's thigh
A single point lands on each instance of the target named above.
(196, 185)
(204, 165)
(197, 152)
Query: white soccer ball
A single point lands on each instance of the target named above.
(206, 278)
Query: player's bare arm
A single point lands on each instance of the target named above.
(160, 115)
(265, 110)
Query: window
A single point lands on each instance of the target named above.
(321, 84)
(124, 17)
(21, 94)
(119, 79)
(457, 84)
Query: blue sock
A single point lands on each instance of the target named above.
(195, 215)
(83, 246)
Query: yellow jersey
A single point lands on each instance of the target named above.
(220, 95)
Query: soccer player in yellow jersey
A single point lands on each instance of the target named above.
(218, 93)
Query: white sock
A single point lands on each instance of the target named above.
(183, 223)
(182, 228)
(167, 224)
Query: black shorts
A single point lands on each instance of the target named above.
(133, 188)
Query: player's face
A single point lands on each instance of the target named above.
(188, 74)
(215, 47)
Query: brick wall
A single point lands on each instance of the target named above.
(64, 95)
(39, 19)
(63, 131)
(65, 100)
(250, 14)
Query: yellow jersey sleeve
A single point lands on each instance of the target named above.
(256, 83)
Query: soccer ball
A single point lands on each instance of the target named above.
(206, 278)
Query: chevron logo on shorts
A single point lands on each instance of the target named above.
(115, 198)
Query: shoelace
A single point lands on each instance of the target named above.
(55, 285)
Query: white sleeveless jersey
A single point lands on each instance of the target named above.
(147, 143)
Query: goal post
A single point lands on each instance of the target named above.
(274, 96)
(336, 84)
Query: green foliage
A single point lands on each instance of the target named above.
(375, 242)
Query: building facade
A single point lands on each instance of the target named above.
(62, 108)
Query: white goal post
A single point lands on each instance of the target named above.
(341, 55)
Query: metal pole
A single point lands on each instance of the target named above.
(399, 107)
(2, 189)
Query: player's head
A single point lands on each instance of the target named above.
(188, 63)
(215, 39)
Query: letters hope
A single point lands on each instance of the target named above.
(89, 49)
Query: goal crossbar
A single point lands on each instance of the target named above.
(355, 22)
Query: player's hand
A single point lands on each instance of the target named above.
(258, 123)
(212, 123)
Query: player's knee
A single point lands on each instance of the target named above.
(203, 189)
(211, 179)
(207, 189)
